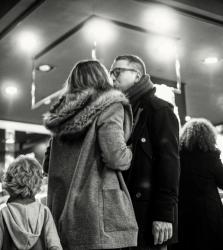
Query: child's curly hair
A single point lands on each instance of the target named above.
(23, 177)
(198, 133)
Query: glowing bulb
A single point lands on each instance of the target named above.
(45, 68)
(11, 90)
(210, 60)
(164, 48)
(160, 19)
(28, 41)
(100, 31)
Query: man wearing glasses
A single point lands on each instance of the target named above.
(153, 178)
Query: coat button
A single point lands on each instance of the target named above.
(143, 139)
(138, 195)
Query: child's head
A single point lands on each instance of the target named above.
(23, 177)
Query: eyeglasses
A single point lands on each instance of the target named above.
(117, 71)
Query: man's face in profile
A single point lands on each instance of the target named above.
(123, 74)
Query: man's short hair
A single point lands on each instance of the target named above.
(133, 59)
(23, 177)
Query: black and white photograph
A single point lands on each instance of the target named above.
(111, 125)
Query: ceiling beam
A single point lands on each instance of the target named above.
(6, 6)
(76, 28)
(20, 18)
(188, 8)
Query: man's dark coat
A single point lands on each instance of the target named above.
(153, 179)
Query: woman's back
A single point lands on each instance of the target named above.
(90, 125)
(200, 207)
(86, 193)
(200, 174)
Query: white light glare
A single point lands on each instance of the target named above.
(187, 118)
(99, 31)
(163, 48)
(28, 41)
(210, 60)
(160, 19)
(166, 93)
(10, 141)
(11, 90)
(45, 68)
(47, 102)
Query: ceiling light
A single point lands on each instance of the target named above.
(162, 48)
(160, 19)
(9, 89)
(28, 41)
(45, 67)
(99, 31)
(210, 60)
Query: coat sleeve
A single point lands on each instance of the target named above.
(165, 127)
(47, 158)
(111, 137)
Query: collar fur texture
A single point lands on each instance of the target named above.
(73, 113)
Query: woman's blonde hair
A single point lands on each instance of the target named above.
(23, 177)
(88, 74)
(198, 134)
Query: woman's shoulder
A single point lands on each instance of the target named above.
(113, 110)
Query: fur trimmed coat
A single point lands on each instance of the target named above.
(87, 196)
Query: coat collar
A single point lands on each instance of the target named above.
(138, 90)
(73, 113)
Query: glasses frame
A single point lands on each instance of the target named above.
(120, 70)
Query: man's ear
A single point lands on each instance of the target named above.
(138, 77)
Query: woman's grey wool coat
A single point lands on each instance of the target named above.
(87, 196)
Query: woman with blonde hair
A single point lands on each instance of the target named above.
(200, 206)
(90, 125)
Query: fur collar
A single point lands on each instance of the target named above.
(73, 113)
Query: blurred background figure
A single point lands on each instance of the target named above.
(200, 207)
(24, 222)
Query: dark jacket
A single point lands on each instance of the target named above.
(27, 224)
(86, 191)
(153, 178)
(200, 206)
